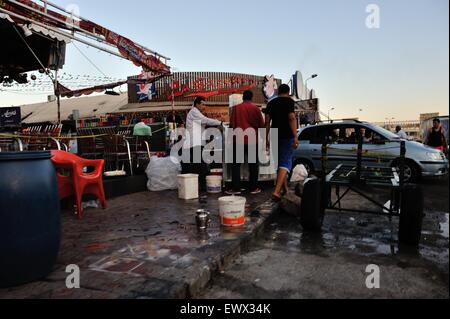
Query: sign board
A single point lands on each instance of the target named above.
(10, 116)
(220, 113)
(216, 87)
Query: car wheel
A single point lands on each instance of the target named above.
(312, 209)
(412, 173)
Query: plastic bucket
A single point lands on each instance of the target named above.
(217, 172)
(214, 184)
(188, 186)
(232, 211)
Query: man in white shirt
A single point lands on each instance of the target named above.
(400, 133)
(196, 123)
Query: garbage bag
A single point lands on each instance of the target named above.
(162, 174)
(299, 174)
(141, 129)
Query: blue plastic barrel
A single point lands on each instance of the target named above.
(30, 222)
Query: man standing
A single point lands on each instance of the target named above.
(436, 136)
(246, 118)
(401, 133)
(196, 123)
(280, 115)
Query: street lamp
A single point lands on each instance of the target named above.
(329, 110)
(310, 78)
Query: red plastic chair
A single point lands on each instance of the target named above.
(79, 183)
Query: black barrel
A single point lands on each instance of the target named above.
(30, 222)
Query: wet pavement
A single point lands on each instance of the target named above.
(290, 263)
(145, 245)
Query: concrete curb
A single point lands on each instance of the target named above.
(213, 266)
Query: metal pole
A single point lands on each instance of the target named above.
(402, 163)
(58, 98)
(359, 160)
(68, 35)
(75, 27)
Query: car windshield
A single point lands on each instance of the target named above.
(388, 134)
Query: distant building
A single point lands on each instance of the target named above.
(427, 116)
(413, 128)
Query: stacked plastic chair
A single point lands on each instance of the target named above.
(79, 182)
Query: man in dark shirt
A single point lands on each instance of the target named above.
(246, 116)
(280, 115)
(436, 136)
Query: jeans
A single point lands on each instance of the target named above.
(253, 168)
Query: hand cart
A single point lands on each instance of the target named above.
(406, 200)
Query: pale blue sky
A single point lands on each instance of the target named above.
(399, 70)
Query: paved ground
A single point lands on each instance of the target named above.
(289, 263)
(145, 245)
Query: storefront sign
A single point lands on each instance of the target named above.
(10, 116)
(270, 88)
(219, 113)
(210, 87)
(214, 86)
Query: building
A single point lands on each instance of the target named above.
(86, 107)
(427, 116)
(413, 128)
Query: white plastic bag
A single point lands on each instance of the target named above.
(162, 174)
(299, 174)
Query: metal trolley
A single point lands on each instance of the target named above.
(406, 200)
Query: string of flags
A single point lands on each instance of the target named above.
(41, 83)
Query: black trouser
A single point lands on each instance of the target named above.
(253, 168)
(201, 168)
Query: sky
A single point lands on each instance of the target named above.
(398, 70)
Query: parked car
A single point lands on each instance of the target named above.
(381, 148)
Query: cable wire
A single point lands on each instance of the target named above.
(89, 60)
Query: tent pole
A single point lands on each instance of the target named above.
(58, 97)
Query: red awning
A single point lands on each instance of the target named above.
(65, 92)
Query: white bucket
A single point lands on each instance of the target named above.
(232, 211)
(214, 184)
(188, 186)
(217, 172)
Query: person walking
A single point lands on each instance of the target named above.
(246, 119)
(436, 136)
(196, 124)
(280, 115)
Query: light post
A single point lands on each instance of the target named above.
(329, 111)
(306, 82)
